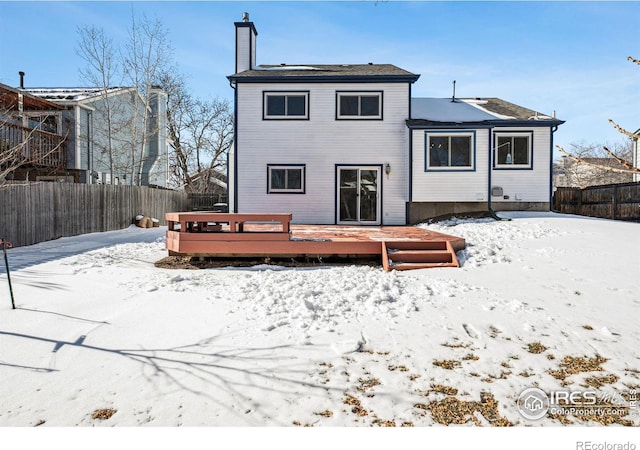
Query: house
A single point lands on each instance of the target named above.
(112, 138)
(347, 144)
(591, 172)
(32, 137)
(207, 190)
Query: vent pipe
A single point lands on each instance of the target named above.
(453, 97)
(21, 73)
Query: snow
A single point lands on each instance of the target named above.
(98, 326)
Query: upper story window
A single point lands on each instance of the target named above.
(359, 105)
(450, 151)
(286, 105)
(512, 150)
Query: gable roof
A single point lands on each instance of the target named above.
(325, 72)
(474, 111)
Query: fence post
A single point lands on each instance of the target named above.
(614, 202)
(6, 244)
(580, 191)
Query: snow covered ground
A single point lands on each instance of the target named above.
(544, 300)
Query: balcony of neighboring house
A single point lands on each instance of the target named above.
(34, 147)
(32, 140)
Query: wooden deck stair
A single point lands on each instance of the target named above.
(407, 255)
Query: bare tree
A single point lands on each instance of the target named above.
(146, 54)
(126, 116)
(624, 162)
(102, 71)
(591, 165)
(201, 132)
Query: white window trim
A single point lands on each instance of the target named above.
(509, 134)
(359, 94)
(450, 134)
(300, 167)
(268, 94)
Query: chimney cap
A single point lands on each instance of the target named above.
(245, 17)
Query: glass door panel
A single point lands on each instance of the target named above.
(348, 195)
(368, 196)
(358, 195)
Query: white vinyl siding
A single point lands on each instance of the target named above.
(450, 185)
(527, 185)
(472, 186)
(321, 143)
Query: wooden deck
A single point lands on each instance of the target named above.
(272, 235)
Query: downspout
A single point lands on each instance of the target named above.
(553, 130)
(410, 199)
(492, 213)
(407, 212)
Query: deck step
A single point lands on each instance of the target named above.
(408, 255)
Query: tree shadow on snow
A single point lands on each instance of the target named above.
(235, 371)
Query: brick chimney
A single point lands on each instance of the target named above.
(246, 35)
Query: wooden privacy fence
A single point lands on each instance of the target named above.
(205, 202)
(37, 212)
(613, 201)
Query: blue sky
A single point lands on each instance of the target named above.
(564, 56)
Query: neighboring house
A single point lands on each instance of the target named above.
(35, 130)
(570, 173)
(346, 144)
(209, 181)
(115, 147)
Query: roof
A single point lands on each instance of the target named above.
(71, 95)
(325, 72)
(9, 99)
(488, 111)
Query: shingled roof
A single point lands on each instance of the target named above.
(479, 111)
(325, 72)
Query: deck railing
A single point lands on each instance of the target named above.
(32, 146)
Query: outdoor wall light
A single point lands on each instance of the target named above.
(387, 168)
